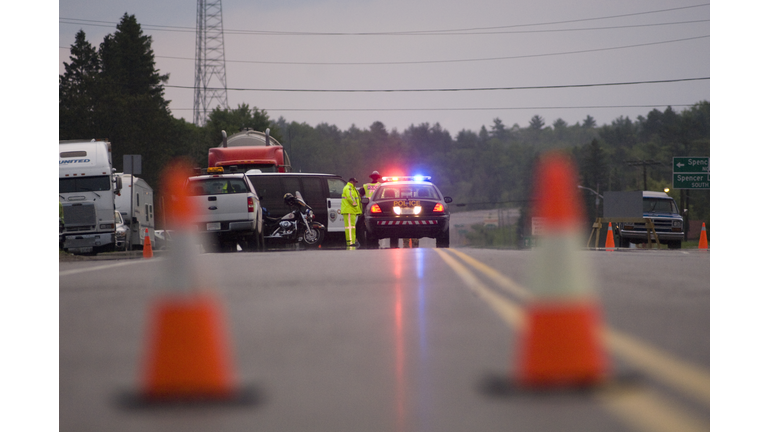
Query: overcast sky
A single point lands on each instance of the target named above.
(501, 44)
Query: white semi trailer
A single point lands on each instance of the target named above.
(137, 199)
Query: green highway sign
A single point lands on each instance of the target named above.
(690, 172)
(690, 181)
(692, 164)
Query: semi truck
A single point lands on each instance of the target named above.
(247, 150)
(136, 199)
(87, 189)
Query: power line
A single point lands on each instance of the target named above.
(453, 89)
(461, 109)
(476, 109)
(411, 33)
(461, 31)
(385, 63)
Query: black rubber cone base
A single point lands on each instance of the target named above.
(246, 396)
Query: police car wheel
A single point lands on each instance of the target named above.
(371, 242)
(443, 240)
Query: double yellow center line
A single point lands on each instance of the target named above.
(645, 410)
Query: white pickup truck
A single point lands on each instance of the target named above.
(229, 211)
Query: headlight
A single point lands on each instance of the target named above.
(677, 223)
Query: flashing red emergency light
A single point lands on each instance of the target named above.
(417, 178)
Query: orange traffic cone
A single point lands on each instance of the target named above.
(609, 244)
(188, 354)
(561, 345)
(147, 244)
(703, 244)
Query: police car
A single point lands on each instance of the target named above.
(406, 207)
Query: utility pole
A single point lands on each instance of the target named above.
(210, 67)
(644, 164)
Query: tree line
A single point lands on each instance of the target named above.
(116, 92)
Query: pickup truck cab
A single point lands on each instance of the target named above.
(667, 221)
(229, 211)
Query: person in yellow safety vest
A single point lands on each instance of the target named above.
(371, 187)
(350, 208)
(368, 190)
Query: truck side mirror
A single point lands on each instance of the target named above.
(118, 184)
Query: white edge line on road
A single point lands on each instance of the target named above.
(99, 267)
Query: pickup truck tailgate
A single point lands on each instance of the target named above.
(221, 200)
(217, 208)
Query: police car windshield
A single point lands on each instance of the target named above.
(217, 186)
(409, 191)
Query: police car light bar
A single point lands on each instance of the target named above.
(417, 178)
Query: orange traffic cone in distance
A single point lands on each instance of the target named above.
(703, 243)
(560, 345)
(147, 245)
(609, 243)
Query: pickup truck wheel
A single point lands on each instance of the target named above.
(256, 242)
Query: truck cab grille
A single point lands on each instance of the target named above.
(81, 215)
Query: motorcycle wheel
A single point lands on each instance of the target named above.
(314, 237)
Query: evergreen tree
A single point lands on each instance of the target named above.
(128, 63)
(499, 131)
(536, 123)
(78, 90)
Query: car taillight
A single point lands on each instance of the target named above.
(438, 208)
(375, 209)
(250, 205)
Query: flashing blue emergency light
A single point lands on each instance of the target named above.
(418, 178)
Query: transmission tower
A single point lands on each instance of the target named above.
(210, 68)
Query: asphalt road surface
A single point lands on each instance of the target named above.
(387, 340)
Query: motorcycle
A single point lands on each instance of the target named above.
(298, 226)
